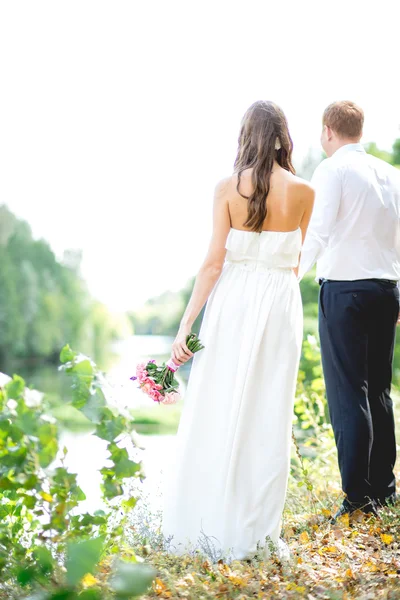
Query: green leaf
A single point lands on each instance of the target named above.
(124, 467)
(129, 504)
(27, 421)
(82, 558)
(15, 388)
(90, 595)
(29, 501)
(111, 487)
(71, 418)
(46, 433)
(63, 595)
(48, 453)
(25, 576)
(7, 484)
(94, 407)
(44, 559)
(67, 355)
(84, 368)
(110, 427)
(132, 580)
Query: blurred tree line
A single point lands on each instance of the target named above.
(43, 302)
(161, 315)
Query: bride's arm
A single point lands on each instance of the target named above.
(209, 272)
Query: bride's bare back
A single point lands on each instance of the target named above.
(289, 202)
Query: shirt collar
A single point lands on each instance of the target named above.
(350, 148)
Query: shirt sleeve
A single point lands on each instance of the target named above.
(328, 189)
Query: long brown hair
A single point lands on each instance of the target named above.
(263, 125)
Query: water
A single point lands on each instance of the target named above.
(119, 366)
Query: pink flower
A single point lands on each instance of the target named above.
(171, 398)
(142, 376)
(155, 395)
(141, 372)
(158, 386)
(147, 387)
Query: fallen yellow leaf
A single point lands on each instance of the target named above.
(159, 587)
(344, 520)
(304, 538)
(237, 580)
(326, 549)
(224, 570)
(293, 586)
(386, 538)
(88, 580)
(354, 533)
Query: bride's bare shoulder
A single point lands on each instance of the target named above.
(228, 186)
(302, 188)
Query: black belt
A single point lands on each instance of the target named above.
(323, 280)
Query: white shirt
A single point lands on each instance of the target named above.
(354, 231)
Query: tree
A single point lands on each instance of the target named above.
(44, 303)
(396, 153)
(373, 149)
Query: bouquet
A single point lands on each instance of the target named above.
(159, 382)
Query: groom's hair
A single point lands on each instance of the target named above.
(345, 118)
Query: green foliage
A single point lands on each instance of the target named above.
(373, 149)
(162, 315)
(48, 548)
(396, 153)
(131, 580)
(392, 157)
(312, 433)
(44, 302)
(82, 558)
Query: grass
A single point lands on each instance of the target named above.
(157, 419)
(358, 557)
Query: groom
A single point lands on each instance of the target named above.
(354, 236)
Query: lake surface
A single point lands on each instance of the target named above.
(120, 365)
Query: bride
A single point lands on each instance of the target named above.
(227, 487)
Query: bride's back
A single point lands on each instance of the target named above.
(285, 201)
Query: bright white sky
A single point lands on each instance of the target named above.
(118, 118)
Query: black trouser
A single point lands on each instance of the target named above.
(357, 324)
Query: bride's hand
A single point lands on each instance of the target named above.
(180, 352)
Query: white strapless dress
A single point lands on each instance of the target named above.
(228, 484)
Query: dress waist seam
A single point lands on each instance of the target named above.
(258, 266)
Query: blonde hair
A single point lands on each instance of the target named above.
(345, 118)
